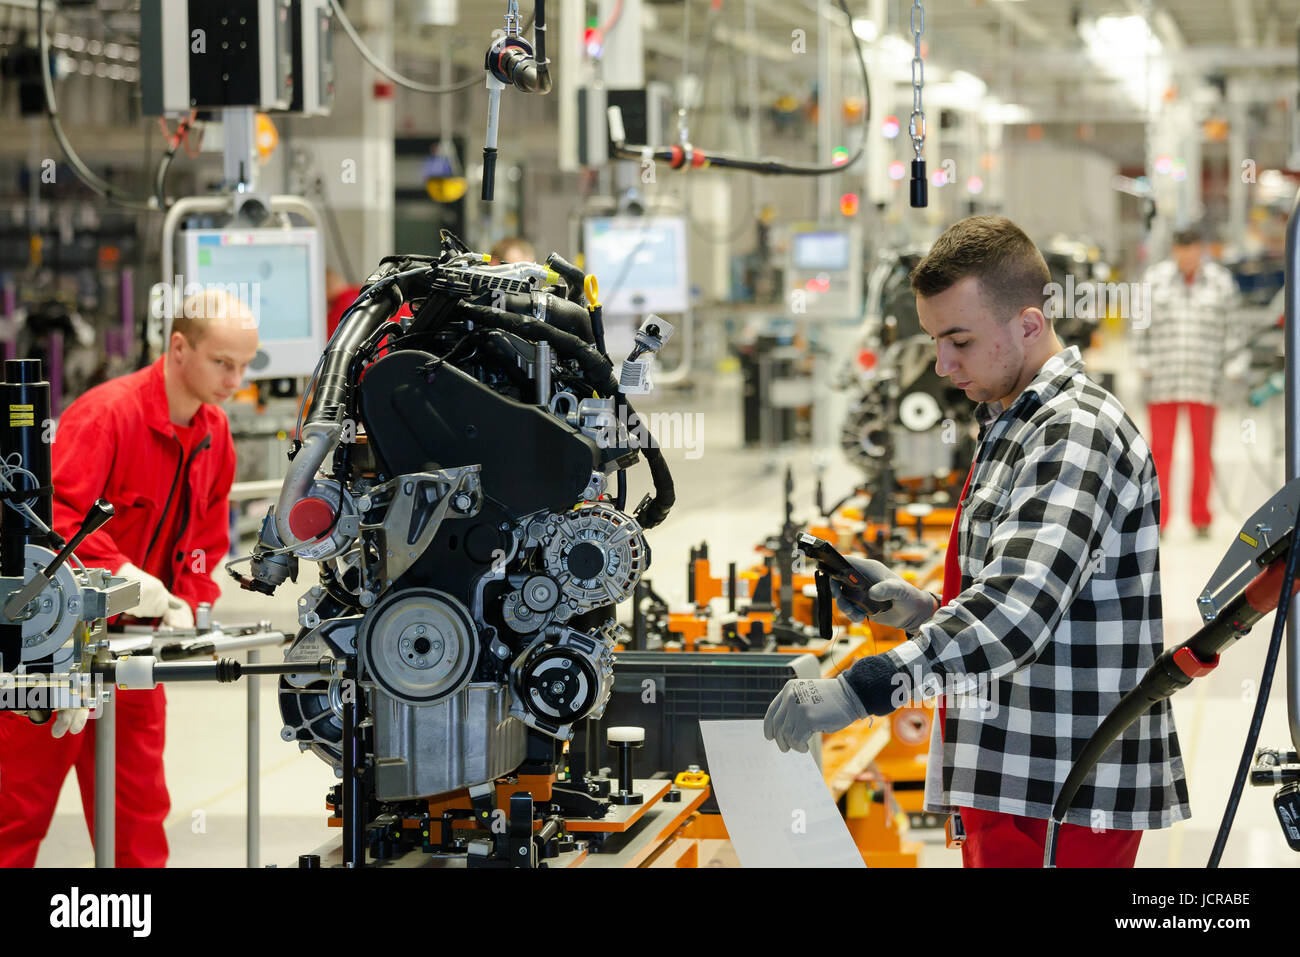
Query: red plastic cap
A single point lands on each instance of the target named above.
(309, 518)
(1192, 666)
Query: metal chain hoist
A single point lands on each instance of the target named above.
(916, 125)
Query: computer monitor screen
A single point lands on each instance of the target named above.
(279, 275)
(827, 251)
(639, 262)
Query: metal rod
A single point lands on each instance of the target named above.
(106, 782)
(254, 823)
(349, 776)
(542, 372)
(625, 768)
(354, 848)
(1292, 350)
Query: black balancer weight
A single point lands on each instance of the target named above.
(625, 739)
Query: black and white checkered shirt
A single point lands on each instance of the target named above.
(1059, 615)
(1182, 346)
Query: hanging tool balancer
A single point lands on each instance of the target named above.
(917, 131)
(511, 61)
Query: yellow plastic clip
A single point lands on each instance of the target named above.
(695, 780)
(591, 289)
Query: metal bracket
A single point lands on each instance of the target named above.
(118, 595)
(409, 526)
(1262, 536)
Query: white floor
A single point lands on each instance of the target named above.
(731, 498)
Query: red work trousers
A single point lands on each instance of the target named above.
(1164, 426)
(33, 767)
(995, 839)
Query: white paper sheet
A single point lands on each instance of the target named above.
(777, 808)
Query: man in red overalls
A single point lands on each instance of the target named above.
(158, 447)
(1051, 603)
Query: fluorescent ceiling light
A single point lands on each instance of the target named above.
(1007, 114)
(969, 83)
(1125, 48)
(894, 47)
(866, 29)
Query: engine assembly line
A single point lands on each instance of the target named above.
(647, 434)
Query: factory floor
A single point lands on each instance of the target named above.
(731, 497)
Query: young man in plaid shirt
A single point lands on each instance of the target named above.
(1051, 603)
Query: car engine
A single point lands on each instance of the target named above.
(460, 480)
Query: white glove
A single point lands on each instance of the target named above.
(68, 719)
(153, 593)
(178, 613)
(806, 706)
(910, 607)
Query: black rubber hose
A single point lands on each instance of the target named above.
(1263, 594)
(573, 277)
(334, 382)
(596, 369)
(160, 177)
(1261, 704)
(497, 346)
(598, 329)
(652, 511)
(541, 79)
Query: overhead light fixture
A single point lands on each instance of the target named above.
(1005, 114)
(1126, 49)
(866, 29)
(894, 47)
(969, 83)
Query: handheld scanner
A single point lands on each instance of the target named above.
(853, 584)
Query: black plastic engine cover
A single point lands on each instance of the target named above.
(421, 414)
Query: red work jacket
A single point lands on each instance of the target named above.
(117, 442)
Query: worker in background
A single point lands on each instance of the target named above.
(157, 445)
(514, 249)
(1051, 594)
(1181, 351)
(339, 297)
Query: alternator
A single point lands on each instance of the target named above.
(596, 554)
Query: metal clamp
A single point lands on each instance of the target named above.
(1262, 536)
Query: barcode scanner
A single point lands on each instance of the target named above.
(853, 584)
